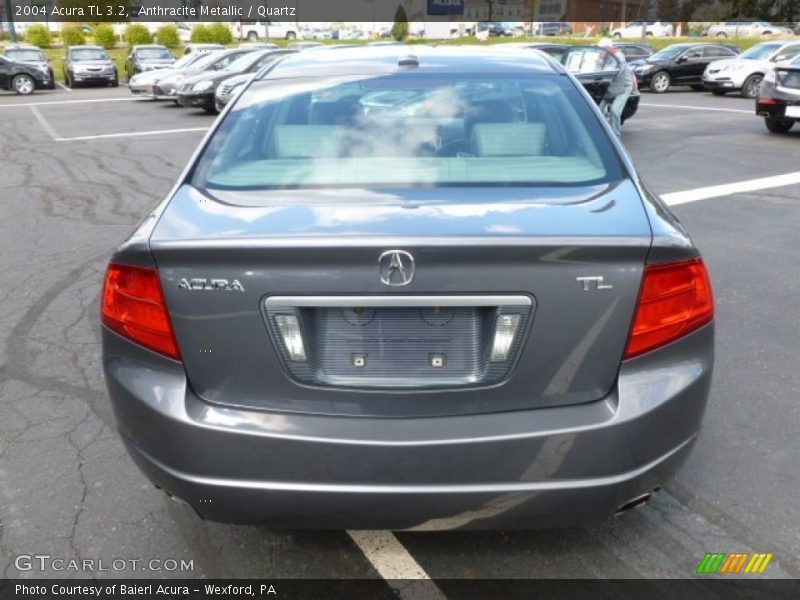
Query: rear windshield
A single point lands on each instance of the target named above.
(408, 130)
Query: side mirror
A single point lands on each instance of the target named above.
(681, 59)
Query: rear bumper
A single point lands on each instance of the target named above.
(546, 467)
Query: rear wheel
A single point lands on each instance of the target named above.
(719, 92)
(751, 86)
(252, 36)
(776, 125)
(291, 35)
(660, 82)
(23, 84)
(722, 34)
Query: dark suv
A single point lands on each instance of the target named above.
(22, 77)
(89, 64)
(31, 55)
(680, 64)
(146, 58)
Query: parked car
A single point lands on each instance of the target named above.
(23, 77)
(744, 73)
(593, 66)
(652, 29)
(779, 97)
(259, 45)
(552, 29)
(316, 33)
(746, 28)
(168, 85)
(142, 85)
(147, 57)
(494, 29)
(469, 313)
(198, 90)
(202, 48)
(633, 52)
(680, 64)
(255, 30)
(304, 45)
(89, 64)
(31, 55)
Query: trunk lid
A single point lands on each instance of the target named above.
(225, 263)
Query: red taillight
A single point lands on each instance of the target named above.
(772, 101)
(675, 299)
(133, 306)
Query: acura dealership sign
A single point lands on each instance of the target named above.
(446, 7)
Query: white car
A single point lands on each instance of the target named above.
(256, 30)
(652, 29)
(746, 29)
(744, 73)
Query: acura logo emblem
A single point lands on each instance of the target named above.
(396, 267)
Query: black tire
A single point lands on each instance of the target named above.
(719, 92)
(722, 34)
(660, 82)
(776, 125)
(291, 35)
(252, 36)
(71, 82)
(698, 87)
(751, 86)
(115, 83)
(211, 110)
(23, 84)
(618, 36)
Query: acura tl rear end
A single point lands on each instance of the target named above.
(409, 291)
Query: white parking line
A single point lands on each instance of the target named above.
(63, 87)
(394, 563)
(67, 102)
(707, 108)
(739, 187)
(104, 136)
(43, 122)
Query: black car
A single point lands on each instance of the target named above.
(593, 66)
(494, 28)
(680, 64)
(146, 58)
(634, 52)
(33, 56)
(552, 29)
(22, 77)
(89, 64)
(198, 90)
(779, 97)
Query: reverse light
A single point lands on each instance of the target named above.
(133, 305)
(289, 328)
(675, 299)
(505, 331)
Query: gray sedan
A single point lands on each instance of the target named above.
(409, 289)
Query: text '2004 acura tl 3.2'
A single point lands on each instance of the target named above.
(409, 291)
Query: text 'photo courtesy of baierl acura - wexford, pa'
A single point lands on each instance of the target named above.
(417, 299)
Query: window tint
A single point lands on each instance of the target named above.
(787, 53)
(408, 130)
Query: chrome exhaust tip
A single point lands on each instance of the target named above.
(635, 502)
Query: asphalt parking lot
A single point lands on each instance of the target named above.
(78, 170)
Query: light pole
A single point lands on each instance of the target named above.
(12, 34)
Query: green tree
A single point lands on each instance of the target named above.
(669, 10)
(72, 35)
(400, 27)
(220, 33)
(136, 33)
(104, 36)
(167, 35)
(201, 34)
(38, 35)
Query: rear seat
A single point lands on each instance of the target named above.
(508, 139)
(307, 141)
